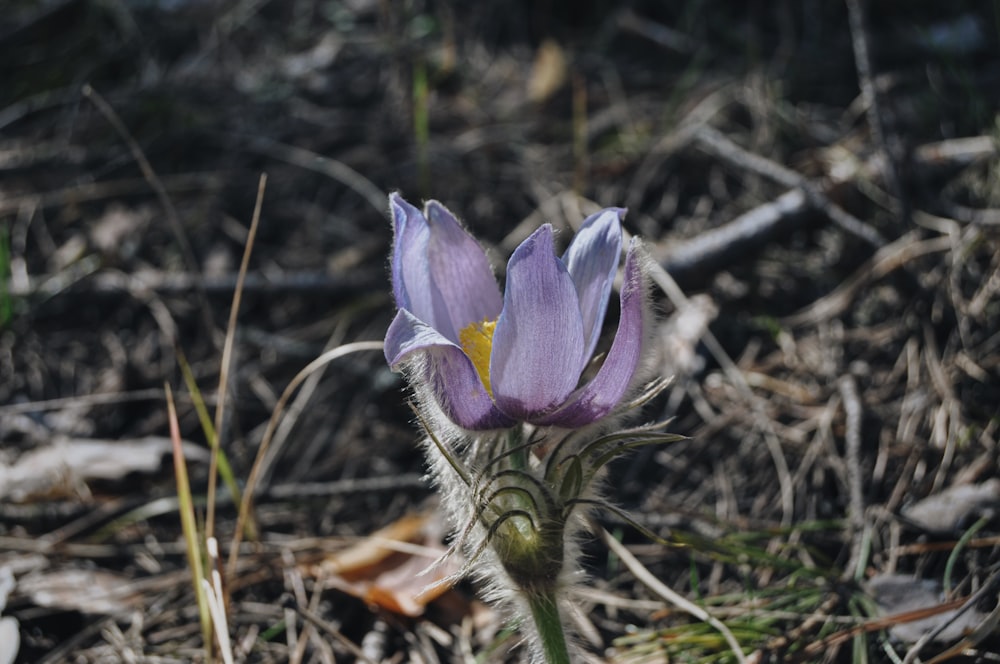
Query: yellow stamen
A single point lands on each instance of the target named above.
(477, 342)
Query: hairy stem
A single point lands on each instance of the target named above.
(545, 612)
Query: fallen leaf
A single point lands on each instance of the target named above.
(389, 568)
(319, 57)
(10, 636)
(682, 332)
(548, 73)
(117, 231)
(6, 586)
(900, 593)
(373, 549)
(10, 640)
(61, 468)
(87, 591)
(949, 510)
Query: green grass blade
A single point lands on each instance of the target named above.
(208, 428)
(192, 538)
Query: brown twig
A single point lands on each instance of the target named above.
(149, 174)
(161, 193)
(95, 191)
(852, 454)
(227, 358)
(674, 292)
(695, 259)
(180, 283)
(662, 35)
(875, 625)
(331, 168)
(889, 258)
(251, 484)
(667, 594)
(982, 631)
(873, 108)
(721, 146)
(82, 401)
(322, 625)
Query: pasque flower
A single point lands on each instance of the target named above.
(517, 418)
(492, 360)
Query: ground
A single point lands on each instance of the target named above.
(817, 180)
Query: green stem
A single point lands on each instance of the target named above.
(545, 612)
(519, 452)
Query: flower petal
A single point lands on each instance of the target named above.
(592, 261)
(461, 272)
(602, 395)
(439, 272)
(411, 275)
(538, 343)
(447, 372)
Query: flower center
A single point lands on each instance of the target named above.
(477, 342)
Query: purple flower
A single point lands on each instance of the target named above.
(492, 360)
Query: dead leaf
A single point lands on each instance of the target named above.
(900, 593)
(947, 511)
(548, 73)
(10, 636)
(682, 332)
(399, 589)
(116, 233)
(62, 468)
(10, 640)
(87, 591)
(6, 586)
(387, 568)
(319, 57)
